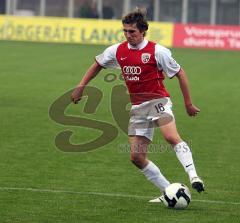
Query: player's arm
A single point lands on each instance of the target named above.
(89, 75)
(171, 68)
(191, 109)
(107, 59)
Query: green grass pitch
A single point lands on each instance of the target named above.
(40, 183)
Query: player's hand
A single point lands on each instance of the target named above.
(77, 95)
(192, 110)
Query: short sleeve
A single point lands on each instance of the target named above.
(108, 59)
(165, 61)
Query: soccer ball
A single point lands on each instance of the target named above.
(177, 196)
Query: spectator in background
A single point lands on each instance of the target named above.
(89, 10)
(2, 7)
(108, 12)
(150, 12)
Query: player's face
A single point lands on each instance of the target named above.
(133, 34)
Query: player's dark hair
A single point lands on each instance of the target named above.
(137, 16)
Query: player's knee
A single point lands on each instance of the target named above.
(173, 140)
(137, 160)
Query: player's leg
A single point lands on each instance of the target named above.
(139, 146)
(183, 153)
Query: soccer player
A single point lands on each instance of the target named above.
(144, 65)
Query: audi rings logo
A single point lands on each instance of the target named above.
(135, 70)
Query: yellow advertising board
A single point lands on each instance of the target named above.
(85, 31)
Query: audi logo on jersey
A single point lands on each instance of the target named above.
(134, 70)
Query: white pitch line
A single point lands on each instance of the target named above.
(73, 192)
(101, 194)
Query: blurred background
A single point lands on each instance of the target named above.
(224, 12)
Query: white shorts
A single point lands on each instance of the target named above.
(149, 115)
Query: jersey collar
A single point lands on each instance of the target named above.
(139, 46)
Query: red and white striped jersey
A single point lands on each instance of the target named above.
(142, 68)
